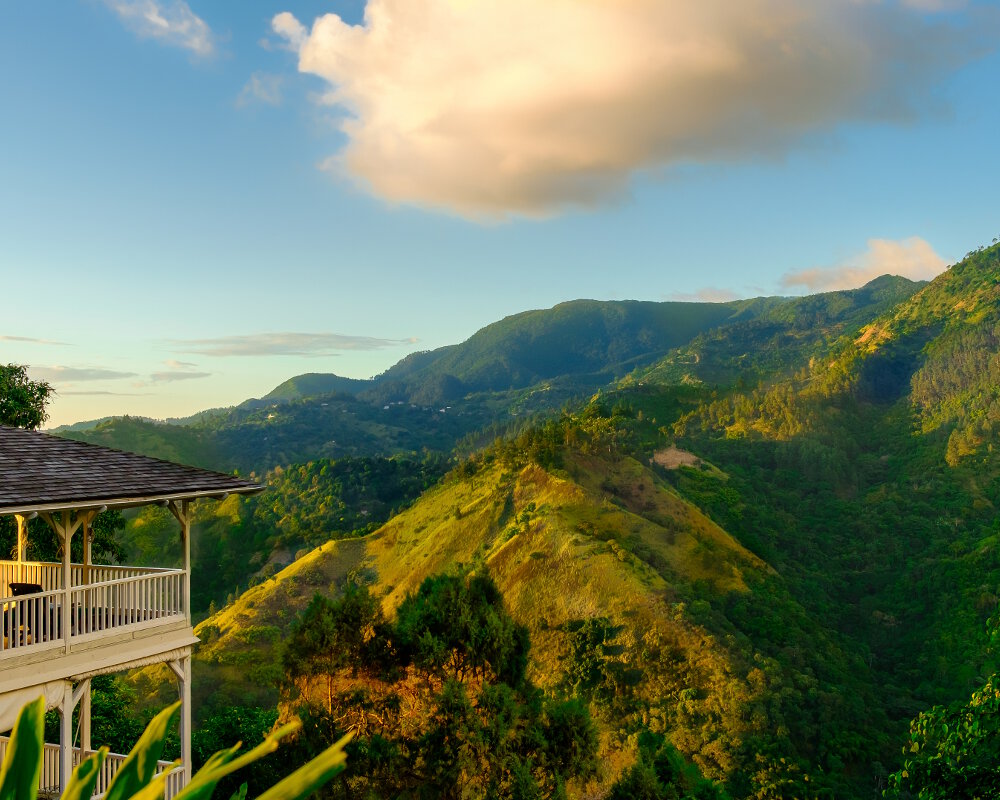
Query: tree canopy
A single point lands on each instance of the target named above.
(22, 400)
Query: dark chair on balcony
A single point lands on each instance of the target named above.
(18, 615)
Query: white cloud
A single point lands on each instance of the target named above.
(501, 107)
(912, 258)
(30, 340)
(709, 294)
(261, 88)
(169, 21)
(168, 377)
(178, 371)
(290, 29)
(73, 374)
(285, 344)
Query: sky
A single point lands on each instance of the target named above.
(199, 200)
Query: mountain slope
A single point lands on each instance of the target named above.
(596, 536)
(777, 337)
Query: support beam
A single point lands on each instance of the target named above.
(65, 740)
(22, 544)
(182, 669)
(88, 536)
(81, 695)
(65, 523)
(182, 512)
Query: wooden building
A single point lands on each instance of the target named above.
(66, 622)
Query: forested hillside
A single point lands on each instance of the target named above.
(753, 560)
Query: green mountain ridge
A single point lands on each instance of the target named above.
(528, 365)
(800, 503)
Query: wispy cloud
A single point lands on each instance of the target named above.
(99, 393)
(285, 344)
(166, 377)
(261, 88)
(30, 340)
(912, 258)
(73, 374)
(462, 106)
(709, 294)
(169, 21)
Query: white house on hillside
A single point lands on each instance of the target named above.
(64, 623)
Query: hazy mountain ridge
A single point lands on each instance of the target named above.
(528, 364)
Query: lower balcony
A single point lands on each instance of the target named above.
(48, 782)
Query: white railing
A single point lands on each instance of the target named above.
(48, 781)
(144, 598)
(49, 575)
(127, 601)
(31, 620)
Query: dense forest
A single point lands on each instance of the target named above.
(743, 550)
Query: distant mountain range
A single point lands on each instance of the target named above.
(777, 519)
(510, 371)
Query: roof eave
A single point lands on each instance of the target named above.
(125, 502)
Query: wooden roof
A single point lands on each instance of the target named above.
(41, 472)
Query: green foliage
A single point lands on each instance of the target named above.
(439, 697)
(458, 627)
(136, 778)
(22, 400)
(331, 635)
(953, 752)
(661, 773)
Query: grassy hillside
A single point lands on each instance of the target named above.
(704, 642)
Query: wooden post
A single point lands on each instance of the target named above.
(182, 669)
(85, 743)
(22, 543)
(182, 512)
(65, 526)
(88, 537)
(66, 739)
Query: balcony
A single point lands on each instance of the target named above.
(48, 782)
(103, 604)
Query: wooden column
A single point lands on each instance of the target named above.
(22, 543)
(182, 669)
(65, 523)
(88, 537)
(182, 512)
(85, 742)
(65, 739)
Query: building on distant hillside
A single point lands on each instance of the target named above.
(64, 623)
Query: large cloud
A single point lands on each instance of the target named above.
(494, 107)
(912, 258)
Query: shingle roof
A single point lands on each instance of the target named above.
(38, 470)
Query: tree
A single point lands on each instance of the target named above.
(22, 400)
(953, 752)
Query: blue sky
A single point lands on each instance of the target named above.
(199, 200)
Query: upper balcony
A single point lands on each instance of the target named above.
(103, 602)
(108, 615)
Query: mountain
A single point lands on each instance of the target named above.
(314, 384)
(604, 339)
(600, 536)
(782, 532)
(526, 366)
(776, 336)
